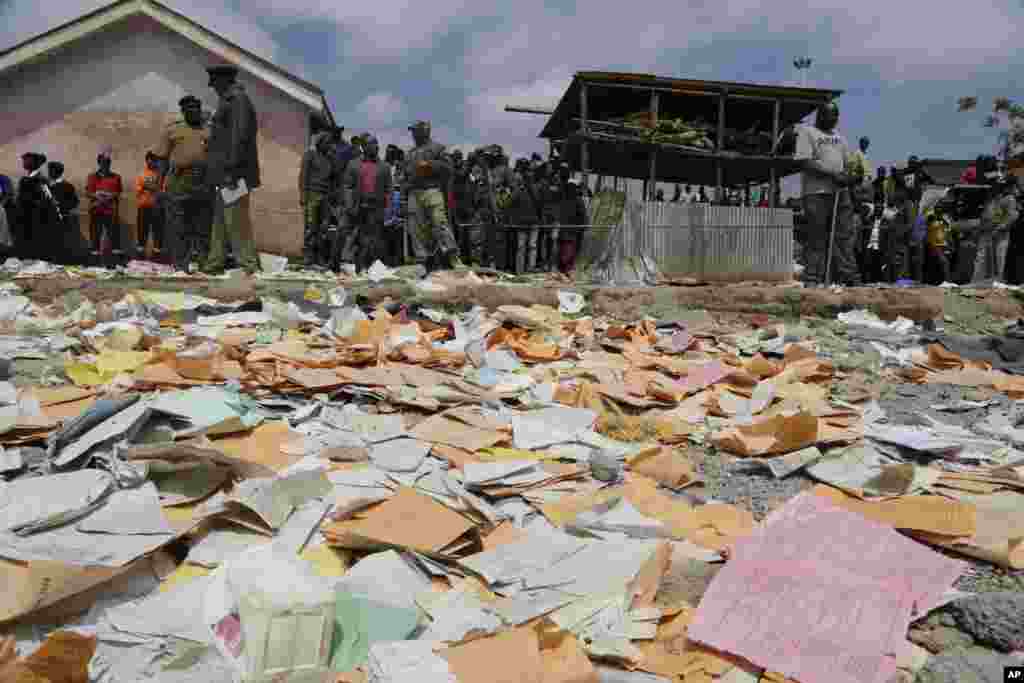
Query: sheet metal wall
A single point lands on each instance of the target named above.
(711, 243)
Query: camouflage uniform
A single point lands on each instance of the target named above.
(186, 197)
(427, 211)
(188, 206)
(317, 179)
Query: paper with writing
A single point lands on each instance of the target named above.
(815, 610)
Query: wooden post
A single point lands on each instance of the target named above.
(584, 156)
(721, 142)
(654, 148)
(773, 174)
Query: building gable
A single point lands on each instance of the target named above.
(42, 46)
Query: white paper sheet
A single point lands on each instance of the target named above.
(621, 517)
(408, 661)
(385, 577)
(510, 563)
(32, 504)
(129, 511)
(178, 612)
(399, 455)
(110, 429)
(220, 545)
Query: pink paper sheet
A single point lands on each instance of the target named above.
(703, 376)
(821, 595)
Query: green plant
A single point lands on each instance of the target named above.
(1007, 116)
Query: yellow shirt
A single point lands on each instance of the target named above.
(937, 229)
(183, 144)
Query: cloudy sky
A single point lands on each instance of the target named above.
(386, 62)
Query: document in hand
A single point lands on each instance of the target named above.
(232, 196)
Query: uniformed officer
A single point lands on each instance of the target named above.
(233, 157)
(427, 170)
(187, 201)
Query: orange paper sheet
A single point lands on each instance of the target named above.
(932, 514)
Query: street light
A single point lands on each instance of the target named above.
(803, 64)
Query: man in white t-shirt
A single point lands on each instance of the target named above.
(824, 154)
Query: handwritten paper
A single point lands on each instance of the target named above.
(818, 593)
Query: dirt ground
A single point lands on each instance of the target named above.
(978, 307)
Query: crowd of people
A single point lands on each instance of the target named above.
(192, 197)
(443, 209)
(857, 226)
(456, 209)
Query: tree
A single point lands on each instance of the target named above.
(1007, 116)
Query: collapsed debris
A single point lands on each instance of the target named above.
(275, 490)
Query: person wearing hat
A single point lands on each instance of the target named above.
(343, 152)
(427, 171)
(32, 209)
(233, 159)
(317, 181)
(104, 188)
(149, 222)
(72, 248)
(188, 205)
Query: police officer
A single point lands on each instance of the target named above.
(317, 178)
(233, 157)
(187, 201)
(427, 171)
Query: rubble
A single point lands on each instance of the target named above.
(404, 489)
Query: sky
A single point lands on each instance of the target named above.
(386, 63)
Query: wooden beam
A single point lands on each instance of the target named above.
(529, 110)
(584, 159)
(721, 141)
(654, 150)
(773, 174)
(707, 93)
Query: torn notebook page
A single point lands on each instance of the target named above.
(834, 611)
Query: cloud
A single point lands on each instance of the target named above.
(381, 109)
(382, 29)
(459, 63)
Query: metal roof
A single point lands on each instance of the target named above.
(46, 43)
(613, 94)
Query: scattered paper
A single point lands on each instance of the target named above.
(834, 611)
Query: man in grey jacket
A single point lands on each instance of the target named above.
(366, 190)
(233, 157)
(825, 184)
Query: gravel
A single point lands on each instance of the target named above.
(728, 480)
(966, 665)
(993, 619)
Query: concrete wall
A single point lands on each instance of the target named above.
(120, 88)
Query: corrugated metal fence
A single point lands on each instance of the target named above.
(712, 243)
